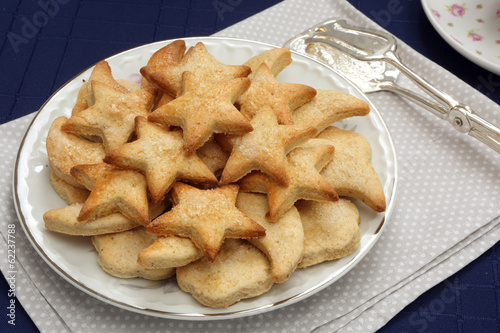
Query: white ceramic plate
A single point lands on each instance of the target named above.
(73, 257)
(470, 27)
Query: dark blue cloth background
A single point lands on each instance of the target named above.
(40, 52)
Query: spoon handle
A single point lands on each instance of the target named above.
(435, 108)
(465, 120)
(460, 116)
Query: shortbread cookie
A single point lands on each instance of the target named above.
(328, 107)
(160, 155)
(207, 217)
(164, 99)
(276, 60)
(241, 271)
(113, 190)
(264, 148)
(306, 162)
(284, 240)
(64, 220)
(129, 85)
(331, 230)
(169, 251)
(69, 193)
(212, 154)
(102, 73)
(169, 55)
(350, 172)
(81, 99)
(112, 116)
(203, 109)
(118, 255)
(66, 150)
(197, 60)
(283, 98)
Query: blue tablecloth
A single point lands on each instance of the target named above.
(46, 43)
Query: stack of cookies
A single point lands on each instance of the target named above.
(216, 174)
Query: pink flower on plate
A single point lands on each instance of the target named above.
(436, 13)
(457, 10)
(498, 13)
(475, 37)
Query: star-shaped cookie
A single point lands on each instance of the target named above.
(112, 116)
(203, 109)
(102, 73)
(161, 156)
(306, 162)
(328, 107)
(207, 217)
(213, 155)
(283, 98)
(169, 55)
(112, 190)
(198, 61)
(264, 148)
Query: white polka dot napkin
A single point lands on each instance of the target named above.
(446, 213)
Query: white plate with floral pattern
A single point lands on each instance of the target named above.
(470, 27)
(73, 258)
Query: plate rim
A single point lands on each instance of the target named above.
(357, 257)
(464, 51)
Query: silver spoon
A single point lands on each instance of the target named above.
(368, 58)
